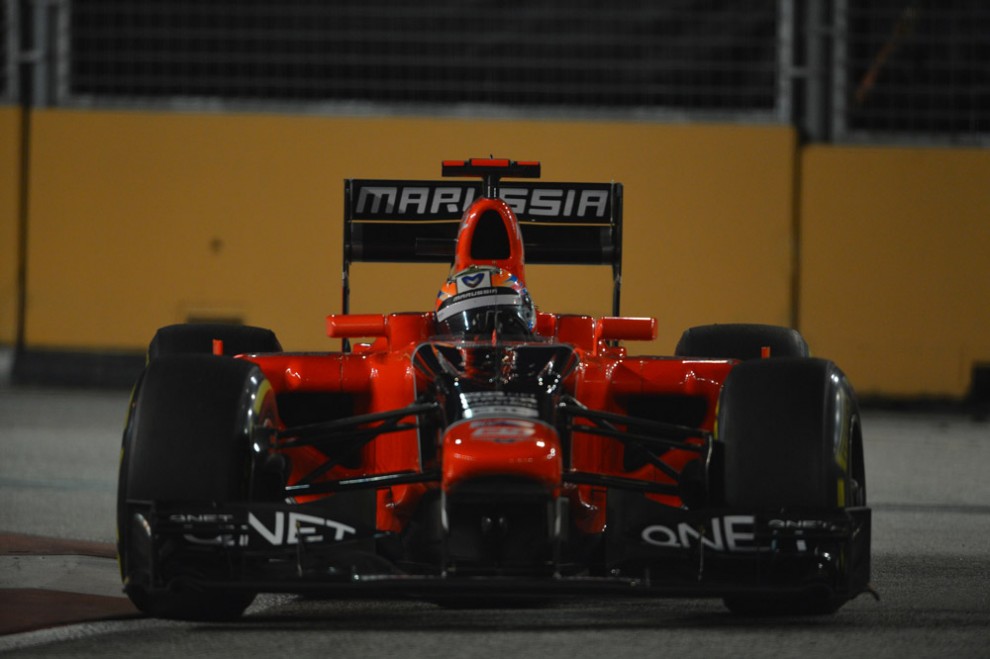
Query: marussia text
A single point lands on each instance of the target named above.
(435, 202)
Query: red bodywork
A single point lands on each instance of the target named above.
(380, 376)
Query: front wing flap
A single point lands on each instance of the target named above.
(741, 550)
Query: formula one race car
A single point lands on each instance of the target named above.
(484, 450)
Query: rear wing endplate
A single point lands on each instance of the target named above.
(417, 221)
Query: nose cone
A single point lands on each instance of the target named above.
(501, 447)
(489, 235)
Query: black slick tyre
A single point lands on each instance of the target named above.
(791, 434)
(740, 341)
(187, 439)
(198, 338)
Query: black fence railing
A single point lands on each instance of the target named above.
(915, 68)
(9, 51)
(884, 70)
(693, 56)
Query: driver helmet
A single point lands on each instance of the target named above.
(485, 299)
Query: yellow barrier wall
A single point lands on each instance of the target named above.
(10, 184)
(896, 265)
(140, 220)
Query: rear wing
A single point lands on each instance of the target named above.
(417, 221)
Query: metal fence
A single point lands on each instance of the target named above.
(884, 70)
(710, 56)
(912, 69)
(9, 51)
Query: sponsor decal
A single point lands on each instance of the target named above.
(799, 526)
(499, 403)
(732, 533)
(502, 431)
(299, 528)
(206, 518)
(290, 528)
(478, 299)
(804, 525)
(385, 200)
(480, 292)
(425, 200)
(557, 203)
(471, 282)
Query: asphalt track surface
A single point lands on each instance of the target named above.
(60, 592)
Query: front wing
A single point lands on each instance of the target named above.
(649, 549)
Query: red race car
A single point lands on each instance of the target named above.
(485, 450)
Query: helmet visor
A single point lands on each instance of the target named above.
(483, 311)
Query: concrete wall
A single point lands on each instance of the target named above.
(10, 183)
(895, 254)
(139, 220)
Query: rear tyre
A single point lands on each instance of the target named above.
(197, 338)
(740, 341)
(188, 439)
(791, 435)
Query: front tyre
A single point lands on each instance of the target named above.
(198, 338)
(188, 440)
(792, 439)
